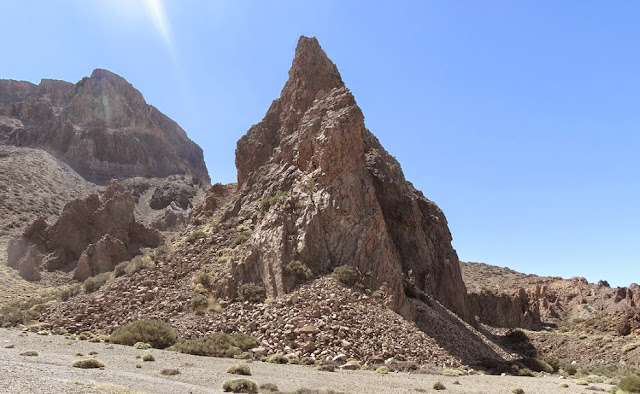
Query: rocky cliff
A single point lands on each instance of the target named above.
(91, 236)
(316, 187)
(101, 126)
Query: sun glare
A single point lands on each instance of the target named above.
(158, 16)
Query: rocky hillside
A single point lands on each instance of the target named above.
(35, 184)
(322, 248)
(316, 187)
(593, 324)
(101, 126)
(91, 236)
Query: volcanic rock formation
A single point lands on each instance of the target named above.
(317, 187)
(102, 127)
(90, 237)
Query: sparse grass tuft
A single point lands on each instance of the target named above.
(95, 282)
(277, 358)
(155, 332)
(29, 353)
(267, 203)
(452, 372)
(269, 387)
(196, 235)
(240, 369)
(217, 345)
(630, 384)
(88, 363)
(148, 357)
(382, 370)
(240, 386)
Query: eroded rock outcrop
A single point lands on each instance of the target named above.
(91, 236)
(317, 187)
(102, 127)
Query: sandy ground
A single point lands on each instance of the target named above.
(51, 372)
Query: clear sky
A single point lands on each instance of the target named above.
(520, 119)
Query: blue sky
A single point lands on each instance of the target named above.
(520, 119)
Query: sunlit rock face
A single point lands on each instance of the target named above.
(101, 126)
(317, 187)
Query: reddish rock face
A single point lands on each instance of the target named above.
(90, 237)
(319, 188)
(102, 127)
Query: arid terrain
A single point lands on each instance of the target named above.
(321, 257)
(51, 372)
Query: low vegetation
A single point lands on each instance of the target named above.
(298, 271)
(346, 274)
(154, 332)
(95, 282)
(267, 203)
(169, 371)
(251, 292)
(240, 369)
(240, 386)
(29, 353)
(630, 384)
(196, 235)
(382, 370)
(136, 264)
(88, 363)
(148, 357)
(217, 345)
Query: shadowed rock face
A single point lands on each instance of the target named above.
(101, 126)
(90, 237)
(334, 196)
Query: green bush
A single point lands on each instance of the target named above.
(199, 303)
(346, 274)
(517, 390)
(154, 332)
(203, 279)
(88, 363)
(267, 203)
(298, 270)
(382, 370)
(95, 282)
(69, 291)
(240, 369)
(630, 384)
(251, 292)
(136, 264)
(277, 358)
(218, 345)
(148, 357)
(240, 386)
(240, 239)
(196, 235)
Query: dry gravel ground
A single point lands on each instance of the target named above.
(51, 372)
